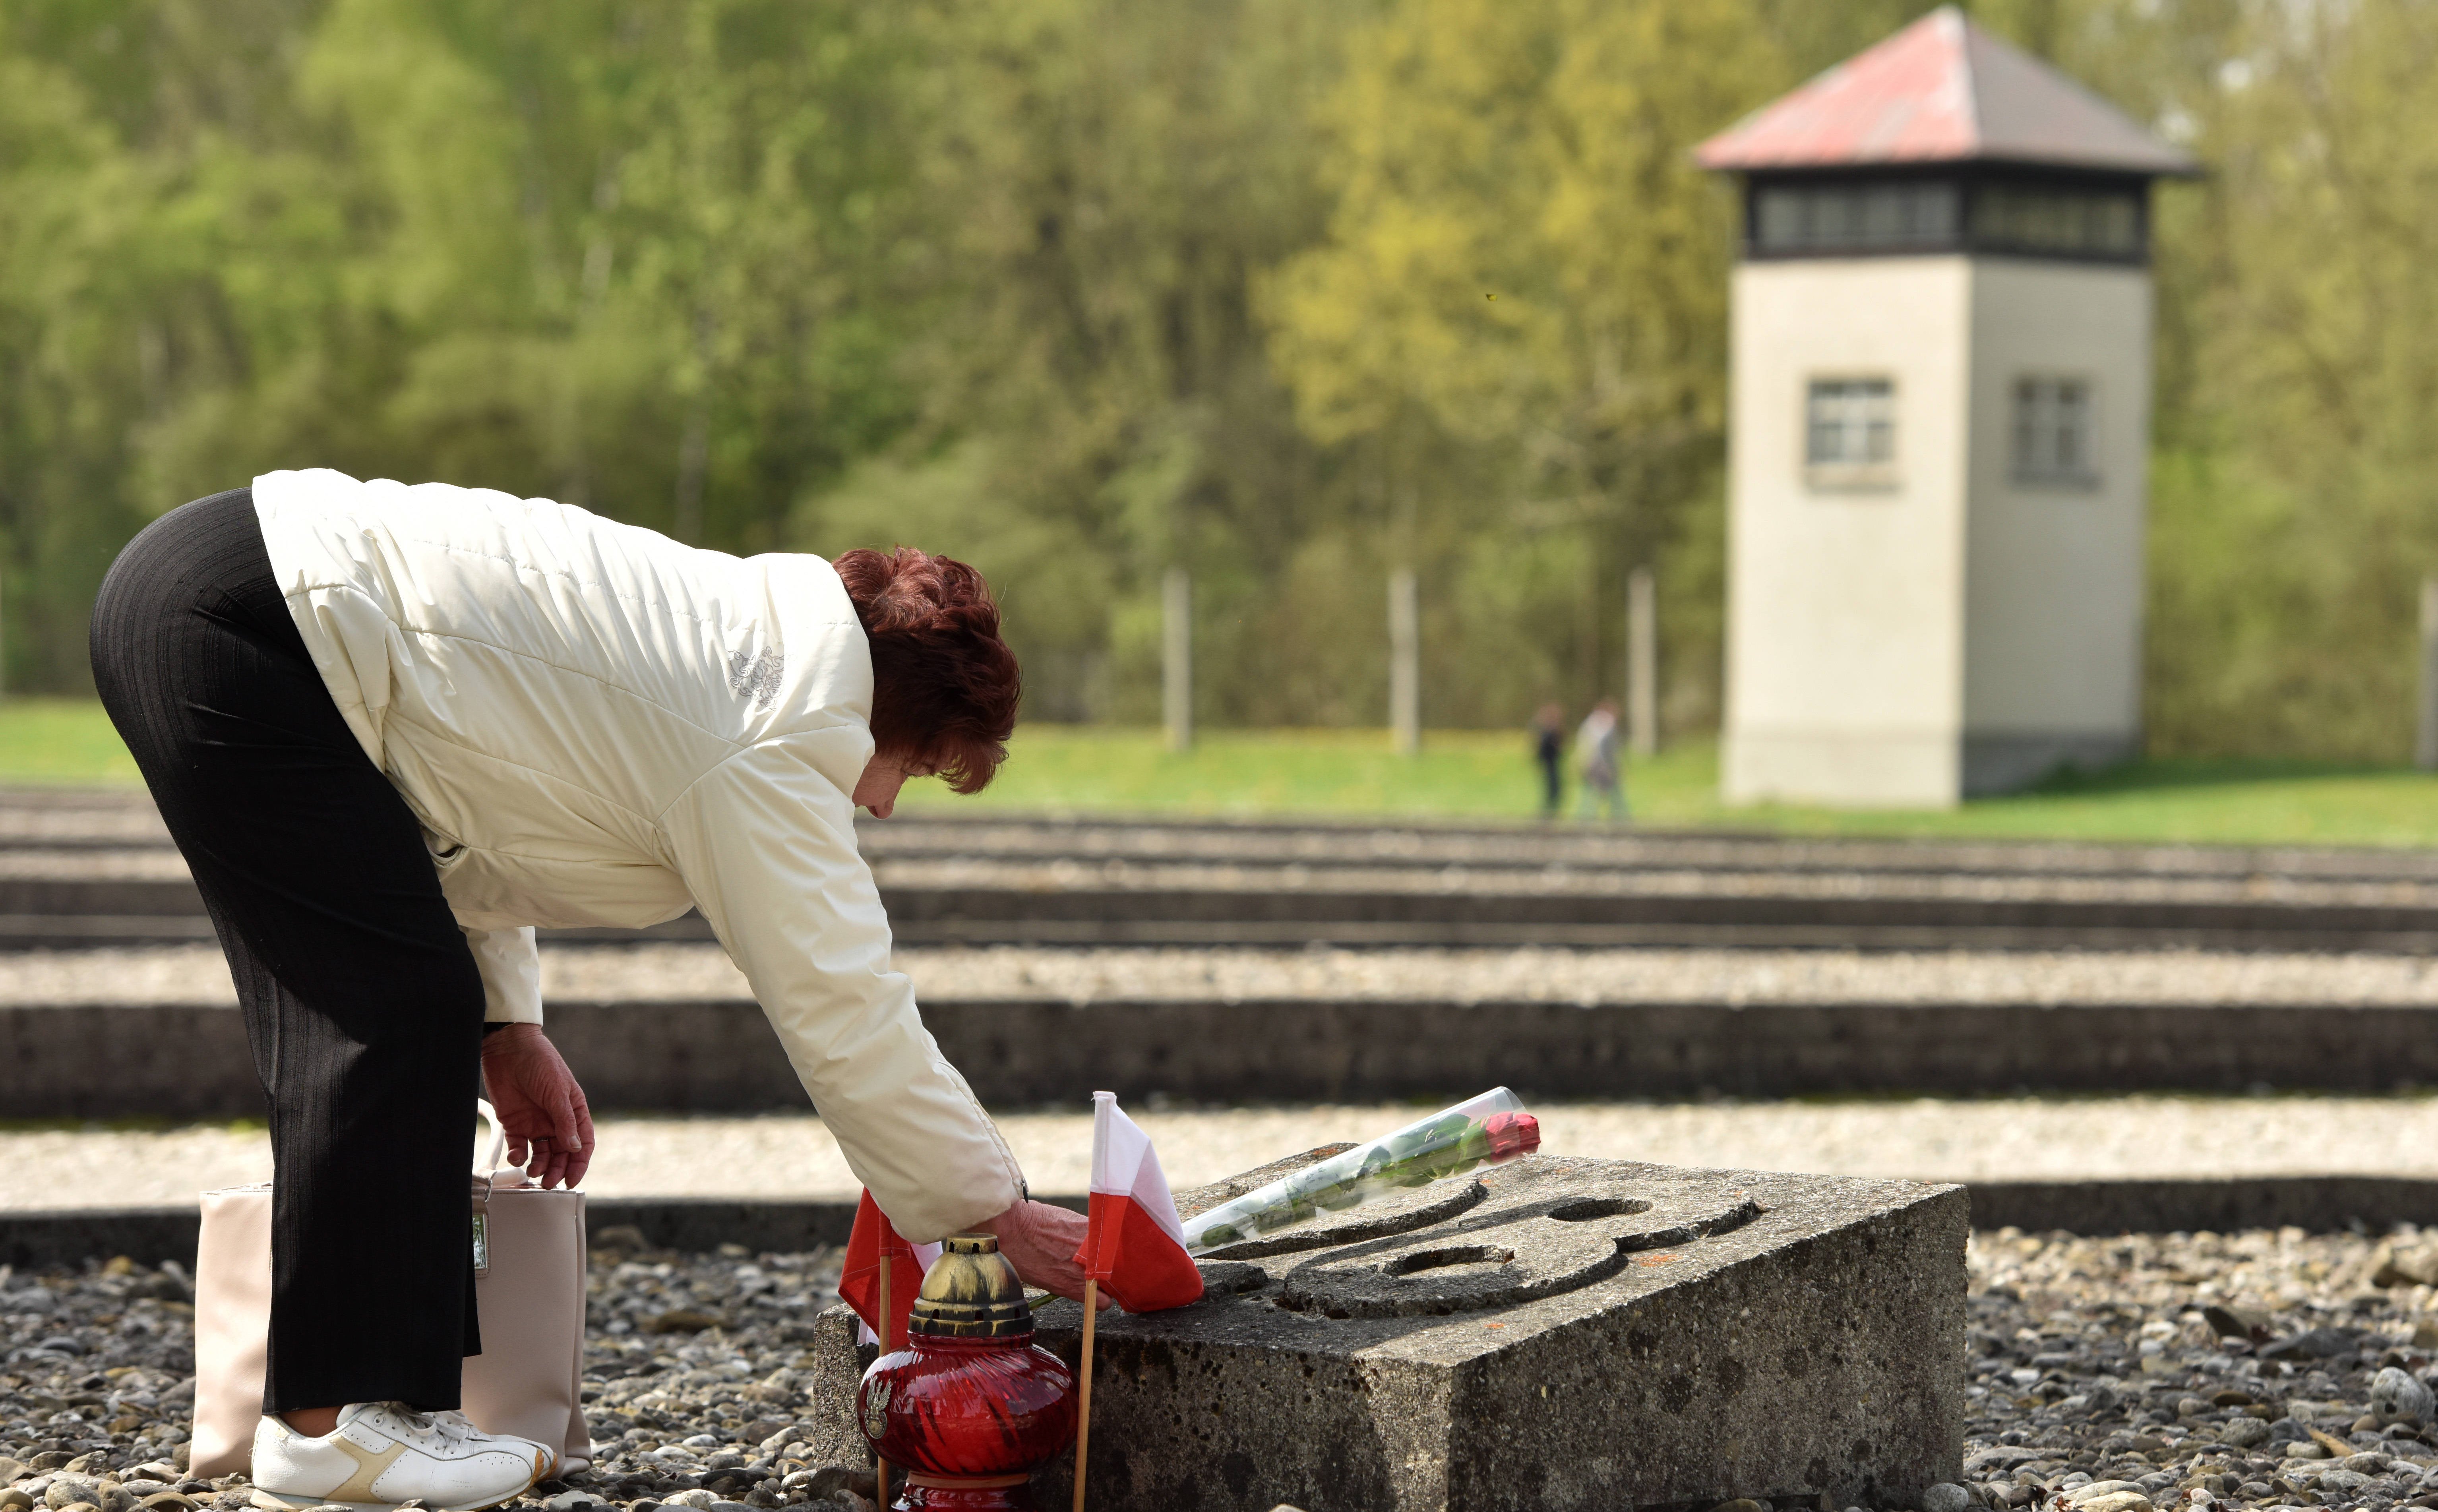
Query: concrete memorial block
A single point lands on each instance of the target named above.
(1557, 1333)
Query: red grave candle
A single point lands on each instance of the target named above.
(971, 1406)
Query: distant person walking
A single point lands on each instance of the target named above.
(1549, 749)
(1597, 754)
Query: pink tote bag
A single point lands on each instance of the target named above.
(528, 1286)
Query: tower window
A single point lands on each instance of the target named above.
(1854, 217)
(2054, 432)
(2069, 222)
(2012, 212)
(1849, 431)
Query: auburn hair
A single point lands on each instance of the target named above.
(945, 686)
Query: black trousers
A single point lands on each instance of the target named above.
(362, 1002)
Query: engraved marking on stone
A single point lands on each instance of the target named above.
(1585, 1209)
(1442, 1259)
(755, 678)
(369, 1463)
(1400, 1214)
(1231, 1278)
(1507, 1255)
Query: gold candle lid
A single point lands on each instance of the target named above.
(971, 1292)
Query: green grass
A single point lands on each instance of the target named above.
(56, 742)
(1485, 775)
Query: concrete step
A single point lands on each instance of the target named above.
(52, 898)
(96, 869)
(72, 820)
(174, 1061)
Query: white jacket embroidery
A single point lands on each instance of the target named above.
(755, 678)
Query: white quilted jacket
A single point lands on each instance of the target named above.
(598, 726)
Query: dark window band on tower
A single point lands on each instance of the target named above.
(2074, 216)
(2076, 222)
(1789, 218)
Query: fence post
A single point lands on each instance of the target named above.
(1176, 657)
(1405, 661)
(2424, 743)
(1642, 663)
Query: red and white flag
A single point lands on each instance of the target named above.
(1135, 1244)
(859, 1276)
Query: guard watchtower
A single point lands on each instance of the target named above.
(1938, 425)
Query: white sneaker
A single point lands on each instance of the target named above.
(382, 1454)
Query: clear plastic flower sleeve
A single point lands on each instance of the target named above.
(1489, 1130)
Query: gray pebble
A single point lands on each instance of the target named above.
(2243, 1432)
(2396, 1397)
(1946, 1497)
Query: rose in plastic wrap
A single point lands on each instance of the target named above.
(1489, 1130)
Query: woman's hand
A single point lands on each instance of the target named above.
(1041, 1242)
(549, 1127)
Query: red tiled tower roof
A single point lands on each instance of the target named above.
(1941, 91)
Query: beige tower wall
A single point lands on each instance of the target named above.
(1845, 605)
(2054, 571)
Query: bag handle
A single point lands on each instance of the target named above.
(490, 1176)
(492, 1162)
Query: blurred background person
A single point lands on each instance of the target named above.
(1597, 755)
(1548, 729)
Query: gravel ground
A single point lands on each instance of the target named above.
(690, 1367)
(2117, 1375)
(2249, 1369)
(196, 973)
(1998, 1138)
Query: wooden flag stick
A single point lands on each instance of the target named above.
(880, 1467)
(1084, 1399)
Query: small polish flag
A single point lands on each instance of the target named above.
(860, 1277)
(1135, 1243)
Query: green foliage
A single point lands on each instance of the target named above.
(1518, 315)
(636, 257)
(1083, 290)
(2313, 399)
(1103, 182)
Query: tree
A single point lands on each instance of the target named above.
(1522, 265)
(1097, 184)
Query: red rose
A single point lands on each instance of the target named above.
(1511, 1134)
